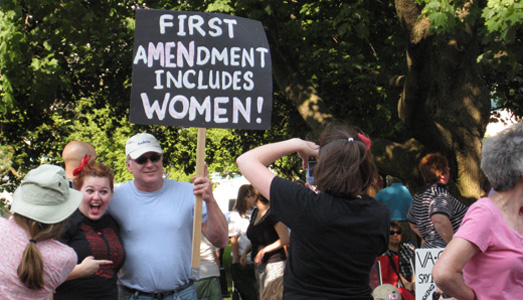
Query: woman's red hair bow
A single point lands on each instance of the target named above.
(365, 140)
(84, 162)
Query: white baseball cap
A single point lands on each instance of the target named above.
(44, 196)
(142, 143)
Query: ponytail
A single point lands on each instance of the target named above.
(31, 268)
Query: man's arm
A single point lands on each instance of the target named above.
(215, 228)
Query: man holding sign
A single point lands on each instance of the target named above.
(190, 69)
(156, 219)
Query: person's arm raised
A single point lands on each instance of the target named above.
(254, 164)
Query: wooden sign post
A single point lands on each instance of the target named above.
(198, 206)
(203, 70)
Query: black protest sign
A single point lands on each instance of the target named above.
(197, 69)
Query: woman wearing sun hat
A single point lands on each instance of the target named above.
(33, 263)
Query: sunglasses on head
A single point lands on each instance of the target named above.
(393, 232)
(143, 159)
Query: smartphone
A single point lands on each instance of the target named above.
(310, 172)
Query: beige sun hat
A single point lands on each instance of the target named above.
(142, 143)
(44, 195)
(386, 292)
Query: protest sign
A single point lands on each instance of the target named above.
(204, 70)
(196, 69)
(425, 260)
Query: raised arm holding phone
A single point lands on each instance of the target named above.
(319, 221)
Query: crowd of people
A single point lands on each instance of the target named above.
(73, 235)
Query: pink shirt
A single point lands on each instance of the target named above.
(497, 271)
(59, 261)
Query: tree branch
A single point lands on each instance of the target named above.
(399, 160)
(296, 87)
(386, 79)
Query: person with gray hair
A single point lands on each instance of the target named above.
(485, 258)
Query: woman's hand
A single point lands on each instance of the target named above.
(87, 267)
(306, 151)
(283, 234)
(253, 164)
(243, 259)
(259, 256)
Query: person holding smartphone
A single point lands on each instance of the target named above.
(336, 233)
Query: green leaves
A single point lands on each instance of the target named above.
(65, 72)
(502, 18)
(221, 6)
(443, 15)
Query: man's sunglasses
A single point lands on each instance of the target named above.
(143, 159)
(393, 232)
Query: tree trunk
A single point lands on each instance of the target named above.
(445, 103)
(399, 160)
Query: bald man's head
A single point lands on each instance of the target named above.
(73, 154)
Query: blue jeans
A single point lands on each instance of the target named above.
(187, 294)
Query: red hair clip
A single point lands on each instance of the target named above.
(84, 162)
(365, 140)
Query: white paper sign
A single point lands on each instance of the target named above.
(425, 260)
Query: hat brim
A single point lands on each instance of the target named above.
(47, 214)
(383, 291)
(137, 153)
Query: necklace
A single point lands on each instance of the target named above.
(516, 224)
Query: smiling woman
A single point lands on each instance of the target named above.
(94, 236)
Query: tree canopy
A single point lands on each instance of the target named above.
(418, 76)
